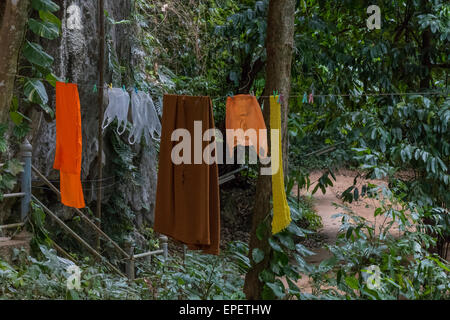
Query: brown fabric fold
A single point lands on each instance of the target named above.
(187, 195)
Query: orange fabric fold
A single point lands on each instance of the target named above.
(244, 112)
(69, 144)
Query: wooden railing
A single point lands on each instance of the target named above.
(27, 196)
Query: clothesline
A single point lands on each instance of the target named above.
(360, 95)
(84, 188)
(83, 181)
(435, 93)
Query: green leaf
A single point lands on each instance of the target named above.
(352, 282)
(286, 241)
(35, 91)
(348, 234)
(34, 53)
(43, 29)
(301, 249)
(14, 167)
(257, 255)
(261, 231)
(280, 258)
(266, 276)
(356, 194)
(439, 263)
(52, 79)
(44, 5)
(14, 103)
(293, 228)
(277, 288)
(328, 263)
(50, 17)
(48, 110)
(16, 117)
(72, 295)
(267, 293)
(3, 146)
(275, 246)
(8, 181)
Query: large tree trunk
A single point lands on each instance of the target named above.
(279, 45)
(13, 18)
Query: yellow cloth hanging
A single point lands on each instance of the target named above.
(281, 211)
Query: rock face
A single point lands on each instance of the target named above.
(76, 59)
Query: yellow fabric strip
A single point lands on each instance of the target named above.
(281, 211)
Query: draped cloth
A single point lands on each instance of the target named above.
(69, 144)
(281, 211)
(187, 195)
(244, 113)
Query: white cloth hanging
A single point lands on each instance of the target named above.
(145, 118)
(119, 102)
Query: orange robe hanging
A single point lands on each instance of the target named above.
(69, 144)
(244, 112)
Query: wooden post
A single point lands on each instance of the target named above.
(25, 152)
(164, 246)
(129, 268)
(101, 58)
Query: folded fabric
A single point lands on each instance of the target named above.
(244, 112)
(145, 119)
(187, 195)
(281, 210)
(118, 105)
(69, 144)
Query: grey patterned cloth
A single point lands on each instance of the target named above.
(145, 118)
(119, 103)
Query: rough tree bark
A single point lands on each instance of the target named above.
(13, 18)
(279, 46)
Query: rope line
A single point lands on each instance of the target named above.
(436, 93)
(84, 181)
(84, 189)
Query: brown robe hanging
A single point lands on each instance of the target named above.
(187, 195)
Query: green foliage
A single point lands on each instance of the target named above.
(402, 138)
(200, 276)
(45, 29)
(216, 43)
(44, 5)
(47, 279)
(287, 259)
(242, 42)
(37, 223)
(10, 169)
(119, 220)
(408, 270)
(34, 92)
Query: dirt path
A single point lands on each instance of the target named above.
(326, 208)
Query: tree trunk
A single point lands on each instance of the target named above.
(425, 49)
(13, 16)
(249, 73)
(426, 59)
(279, 46)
